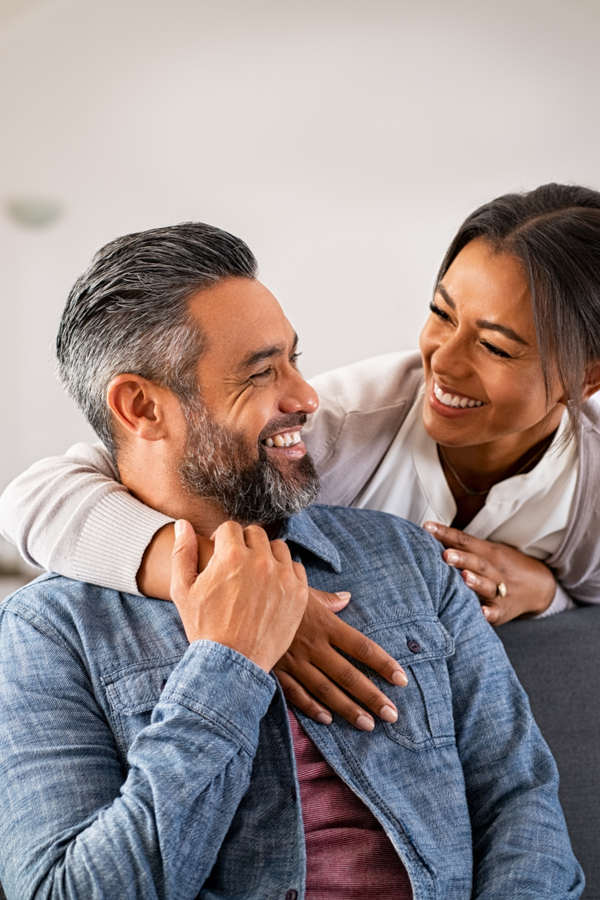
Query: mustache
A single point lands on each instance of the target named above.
(293, 420)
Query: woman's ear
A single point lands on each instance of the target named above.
(591, 382)
(138, 405)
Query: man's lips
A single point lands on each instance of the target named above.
(284, 438)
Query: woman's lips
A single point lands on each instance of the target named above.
(450, 404)
(447, 398)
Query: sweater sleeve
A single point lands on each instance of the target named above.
(70, 514)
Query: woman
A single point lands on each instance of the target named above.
(489, 430)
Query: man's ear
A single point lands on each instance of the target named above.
(139, 406)
(591, 382)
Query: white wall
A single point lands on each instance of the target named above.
(343, 139)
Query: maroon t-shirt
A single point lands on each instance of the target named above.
(348, 854)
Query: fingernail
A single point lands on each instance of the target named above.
(486, 611)
(470, 579)
(388, 714)
(431, 527)
(179, 527)
(365, 723)
(343, 595)
(324, 718)
(399, 678)
(452, 556)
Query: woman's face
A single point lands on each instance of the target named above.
(483, 373)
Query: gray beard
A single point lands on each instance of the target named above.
(218, 465)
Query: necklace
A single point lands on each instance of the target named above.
(473, 493)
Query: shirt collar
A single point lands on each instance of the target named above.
(302, 530)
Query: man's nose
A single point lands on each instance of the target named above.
(298, 396)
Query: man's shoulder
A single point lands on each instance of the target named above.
(352, 517)
(55, 591)
(372, 529)
(100, 627)
(58, 606)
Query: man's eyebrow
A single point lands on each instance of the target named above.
(483, 323)
(257, 356)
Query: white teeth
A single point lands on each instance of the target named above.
(453, 399)
(284, 440)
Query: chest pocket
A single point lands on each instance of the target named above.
(132, 693)
(421, 646)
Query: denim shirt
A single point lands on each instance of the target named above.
(133, 764)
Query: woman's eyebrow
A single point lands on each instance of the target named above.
(503, 329)
(483, 323)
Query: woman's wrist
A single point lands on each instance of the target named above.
(154, 573)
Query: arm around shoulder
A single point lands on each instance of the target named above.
(69, 514)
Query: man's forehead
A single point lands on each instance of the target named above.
(242, 322)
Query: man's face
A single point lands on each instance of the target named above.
(244, 445)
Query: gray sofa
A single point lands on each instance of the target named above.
(558, 663)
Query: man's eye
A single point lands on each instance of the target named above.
(439, 312)
(295, 357)
(264, 374)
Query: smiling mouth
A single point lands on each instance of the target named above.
(283, 439)
(456, 401)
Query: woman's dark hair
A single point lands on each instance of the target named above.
(555, 232)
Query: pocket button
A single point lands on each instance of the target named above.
(413, 646)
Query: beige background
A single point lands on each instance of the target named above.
(343, 139)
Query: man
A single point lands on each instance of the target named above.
(146, 751)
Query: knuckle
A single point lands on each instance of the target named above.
(364, 649)
(323, 690)
(350, 678)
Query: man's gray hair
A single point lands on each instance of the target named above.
(129, 313)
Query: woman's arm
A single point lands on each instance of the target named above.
(69, 514)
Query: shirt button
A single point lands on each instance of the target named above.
(294, 795)
(413, 646)
(291, 895)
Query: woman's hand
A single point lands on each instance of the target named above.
(312, 668)
(530, 584)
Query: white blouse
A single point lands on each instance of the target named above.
(528, 511)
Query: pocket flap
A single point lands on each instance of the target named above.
(136, 689)
(413, 640)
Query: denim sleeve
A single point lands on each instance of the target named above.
(73, 824)
(521, 847)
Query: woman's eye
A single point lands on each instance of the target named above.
(496, 350)
(295, 357)
(439, 312)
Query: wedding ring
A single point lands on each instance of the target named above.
(501, 590)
